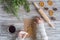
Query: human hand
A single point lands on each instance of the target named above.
(22, 35)
(38, 20)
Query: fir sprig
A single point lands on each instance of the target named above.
(12, 6)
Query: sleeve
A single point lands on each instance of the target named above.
(41, 29)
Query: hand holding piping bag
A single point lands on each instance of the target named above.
(41, 12)
(22, 35)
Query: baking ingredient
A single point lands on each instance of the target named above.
(12, 6)
(51, 12)
(55, 9)
(41, 3)
(52, 18)
(50, 3)
(46, 8)
(12, 29)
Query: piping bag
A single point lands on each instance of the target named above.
(42, 13)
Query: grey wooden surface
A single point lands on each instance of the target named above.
(8, 19)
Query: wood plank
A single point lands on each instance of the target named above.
(8, 19)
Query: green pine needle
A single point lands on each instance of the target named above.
(12, 6)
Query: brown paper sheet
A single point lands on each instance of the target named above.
(30, 27)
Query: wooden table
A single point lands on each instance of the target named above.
(8, 19)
